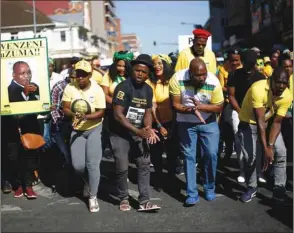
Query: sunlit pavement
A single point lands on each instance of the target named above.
(52, 212)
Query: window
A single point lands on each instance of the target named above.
(62, 36)
(14, 36)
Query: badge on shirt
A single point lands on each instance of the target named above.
(91, 99)
(120, 95)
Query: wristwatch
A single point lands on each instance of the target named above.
(271, 144)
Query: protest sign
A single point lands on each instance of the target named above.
(24, 76)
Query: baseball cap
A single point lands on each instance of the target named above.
(84, 66)
(266, 59)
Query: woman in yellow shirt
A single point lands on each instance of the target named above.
(84, 102)
(162, 118)
(119, 70)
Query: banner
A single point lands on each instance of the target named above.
(186, 41)
(24, 76)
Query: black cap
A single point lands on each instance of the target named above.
(144, 59)
(249, 58)
(74, 60)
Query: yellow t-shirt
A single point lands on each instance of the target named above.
(186, 56)
(96, 76)
(107, 82)
(259, 95)
(291, 85)
(161, 98)
(210, 93)
(95, 97)
(223, 76)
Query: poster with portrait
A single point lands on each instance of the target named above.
(24, 76)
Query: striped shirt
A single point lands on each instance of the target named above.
(210, 93)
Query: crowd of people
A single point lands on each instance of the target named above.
(187, 107)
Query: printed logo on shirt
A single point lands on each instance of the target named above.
(135, 116)
(120, 95)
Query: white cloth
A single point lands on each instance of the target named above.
(55, 77)
(64, 73)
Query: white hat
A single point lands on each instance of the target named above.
(255, 49)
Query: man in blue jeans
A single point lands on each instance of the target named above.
(196, 97)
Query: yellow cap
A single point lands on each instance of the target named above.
(83, 65)
(266, 59)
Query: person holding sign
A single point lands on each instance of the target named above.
(21, 88)
(84, 102)
(198, 50)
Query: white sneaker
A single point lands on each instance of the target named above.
(241, 179)
(86, 191)
(93, 205)
(261, 180)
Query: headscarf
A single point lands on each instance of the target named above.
(123, 56)
(51, 61)
(163, 57)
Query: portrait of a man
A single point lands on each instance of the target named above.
(21, 88)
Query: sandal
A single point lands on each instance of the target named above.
(148, 207)
(124, 205)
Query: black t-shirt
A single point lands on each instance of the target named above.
(135, 100)
(242, 81)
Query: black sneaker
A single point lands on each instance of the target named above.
(6, 187)
(279, 195)
(248, 195)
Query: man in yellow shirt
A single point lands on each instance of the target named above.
(287, 125)
(197, 50)
(266, 99)
(195, 91)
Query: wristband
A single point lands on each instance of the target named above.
(159, 126)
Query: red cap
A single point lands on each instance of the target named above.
(201, 33)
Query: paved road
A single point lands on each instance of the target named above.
(52, 212)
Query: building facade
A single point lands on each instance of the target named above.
(131, 42)
(247, 23)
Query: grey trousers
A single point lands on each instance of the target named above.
(232, 117)
(86, 152)
(140, 150)
(252, 151)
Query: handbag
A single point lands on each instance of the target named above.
(31, 141)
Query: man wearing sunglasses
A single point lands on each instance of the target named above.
(195, 91)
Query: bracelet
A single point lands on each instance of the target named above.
(271, 144)
(159, 125)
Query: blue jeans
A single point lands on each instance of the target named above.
(62, 138)
(208, 136)
(47, 134)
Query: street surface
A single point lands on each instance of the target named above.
(53, 213)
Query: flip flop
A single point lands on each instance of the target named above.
(148, 207)
(124, 205)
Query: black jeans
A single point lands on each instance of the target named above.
(19, 163)
(121, 147)
(170, 146)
